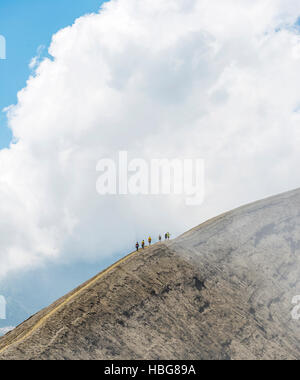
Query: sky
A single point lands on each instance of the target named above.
(213, 80)
(27, 26)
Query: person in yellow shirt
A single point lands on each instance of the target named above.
(149, 240)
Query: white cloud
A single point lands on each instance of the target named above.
(36, 60)
(5, 330)
(197, 78)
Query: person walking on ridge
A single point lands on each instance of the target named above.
(149, 240)
(143, 244)
(137, 246)
(159, 238)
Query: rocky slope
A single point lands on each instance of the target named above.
(221, 291)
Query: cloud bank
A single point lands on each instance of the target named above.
(170, 78)
(5, 330)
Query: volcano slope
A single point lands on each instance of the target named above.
(223, 290)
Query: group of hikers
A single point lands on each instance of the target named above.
(137, 246)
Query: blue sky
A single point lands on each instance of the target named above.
(26, 25)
